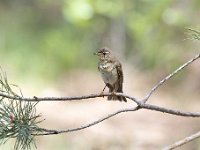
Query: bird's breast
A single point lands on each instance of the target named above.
(108, 73)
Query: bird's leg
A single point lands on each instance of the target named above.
(103, 91)
(113, 93)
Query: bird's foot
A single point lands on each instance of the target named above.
(113, 93)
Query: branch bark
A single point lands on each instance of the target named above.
(183, 141)
(50, 132)
(140, 105)
(169, 77)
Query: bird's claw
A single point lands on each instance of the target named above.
(113, 93)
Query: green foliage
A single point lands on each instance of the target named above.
(18, 119)
(194, 34)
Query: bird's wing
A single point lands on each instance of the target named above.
(120, 76)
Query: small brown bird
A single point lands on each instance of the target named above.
(111, 72)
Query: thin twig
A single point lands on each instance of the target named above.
(73, 98)
(183, 141)
(169, 77)
(50, 132)
(140, 106)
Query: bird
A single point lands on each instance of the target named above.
(111, 73)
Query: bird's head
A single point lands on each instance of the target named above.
(104, 53)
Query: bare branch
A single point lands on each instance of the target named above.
(139, 103)
(140, 106)
(73, 98)
(169, 77)
(183, 141)
(49, 132)
(170, 111)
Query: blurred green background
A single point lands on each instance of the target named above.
(47, 46)
(46, 38)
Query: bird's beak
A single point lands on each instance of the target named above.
(94, 53)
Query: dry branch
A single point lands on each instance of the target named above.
(170, 76)
(183, 141)
(140, 106)
(49, 132)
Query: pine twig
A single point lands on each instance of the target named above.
(18, 119)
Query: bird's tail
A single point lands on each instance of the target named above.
(114, 97)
